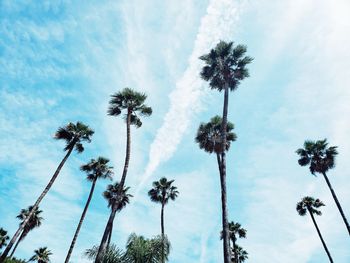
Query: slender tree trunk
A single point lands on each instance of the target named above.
(80, 221)
(337, 202)
(105, 237)
(225, 226)
(107, 232)
(162, 230)
(109, 236)
(36, 205)
(15, 247)
(319, 234)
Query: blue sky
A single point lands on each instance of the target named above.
(60, 61)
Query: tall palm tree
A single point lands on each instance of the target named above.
(309, 204)
(34, 222)
(74, 135)
(3, 237)
(320, 159)
(41, 255)
(162, 192)
(95, 169)
(225, 68)
(240, 255)
(236, 230)
(133, 103)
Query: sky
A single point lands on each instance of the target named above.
(61, 60)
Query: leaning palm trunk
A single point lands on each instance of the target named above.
(108, 230)
(18, 241)
(319, 234)
(225, 227)
(162, 230)
(337, 202)
(80, 222)
(36, 205)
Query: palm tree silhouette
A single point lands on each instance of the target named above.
(309, 204)
(133, 103)
(225, 68)
(41, 255)
(320, 159)
(74, 135)
(95, 169)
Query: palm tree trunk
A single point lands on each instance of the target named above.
(81, 221)
(162, 230)
(225, 227)
(337, 202)
(109, 236)
(18, 241)
(36, 205)
(105, 237)
(319, 234)
(109, 226)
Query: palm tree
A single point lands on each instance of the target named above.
(41, 255)
(95, 169)
(14, 260)
(34, 222)
(74, 135)
(162, 192)
(116, 202)
(320, 159)
(143, 250)
(309, 204)
(235, 230)
(133, 103)
(240, 255)
(3, 237)
(112, 254)
(225, 68)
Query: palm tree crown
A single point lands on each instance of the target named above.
(235, 230)
(133, 102)
(41, 255)
(3, 237)
(74, 135)
(96, 169)
(162, 191)
(242, 255)
(318, 155)
(209, 135)
(309, 204)
(225, 65)
(113, 197)
(34, 221)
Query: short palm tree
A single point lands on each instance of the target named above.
(225, 67)
(41, 255)
(236, 230)
(74, 135)
(116, 202)
(95, 169)
(309, 204)
(162, 192)
(320, 159)
(34, 222)
(133, 103)
(112, 254)
(3, 237)
(240, 255)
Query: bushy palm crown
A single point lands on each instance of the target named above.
(113, 198)
(41, 255)
(143, 250)
(225, 65)
(34, 221)
(112, 254)
(96, 169)
(241, 254)
(234, 230)
(74, 135)
(3, 237)
(162, 191)
(309, 204)
(209, 135)
(131, 101)
(318, 155)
